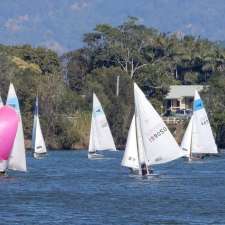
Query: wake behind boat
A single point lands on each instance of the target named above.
(100, 135)
(149, 140)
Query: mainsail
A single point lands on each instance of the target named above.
(38, 143)
(159, 144)
(17, 160)
(202, 136)
(100, 134)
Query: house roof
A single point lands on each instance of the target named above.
(179, 91)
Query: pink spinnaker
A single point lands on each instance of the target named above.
(8, 127)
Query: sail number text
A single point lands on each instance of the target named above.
(157, 134)
(204, 121)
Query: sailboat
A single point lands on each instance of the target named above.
(17, 159)
(8, 127)
(100, 134)
(38, 143)
(198, 138)
(149, 139)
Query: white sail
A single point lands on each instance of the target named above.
(17, 160)
(159, 144)
(130, 157)
(142, 156)
(1, 102)
(34, 123)
(39, 143)
(93, 145)
(187, 138)
(202, 138)
(3, 163)
(100, 134)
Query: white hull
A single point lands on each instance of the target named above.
(95, 156)
(39, 155)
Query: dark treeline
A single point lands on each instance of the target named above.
(132, 52)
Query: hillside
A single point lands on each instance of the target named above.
(131, 51)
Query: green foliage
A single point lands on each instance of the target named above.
(132, 52)
(141, 54)
(215, 103)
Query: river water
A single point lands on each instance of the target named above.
(67, 188)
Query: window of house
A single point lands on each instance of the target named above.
(176, 103)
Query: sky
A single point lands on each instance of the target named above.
(60, 24)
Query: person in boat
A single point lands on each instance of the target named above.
(2, 173)
(144, 170)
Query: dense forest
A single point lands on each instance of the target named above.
(132, 52)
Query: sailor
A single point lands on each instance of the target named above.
(2, 173)
(144, 169)
(3, 167)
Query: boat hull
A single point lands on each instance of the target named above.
(39, 155)
(95, 156)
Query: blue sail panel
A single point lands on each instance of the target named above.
(13, 102)
(98, 111)
(198, 104)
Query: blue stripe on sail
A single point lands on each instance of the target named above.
(13, 102)
(198, 104)
(98, 112)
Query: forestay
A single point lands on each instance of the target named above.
(100, 134)
(159, 144)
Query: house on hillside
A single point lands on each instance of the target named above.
(179, 99)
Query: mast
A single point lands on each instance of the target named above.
(190, 150)
(143, 169)
(137, 143)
